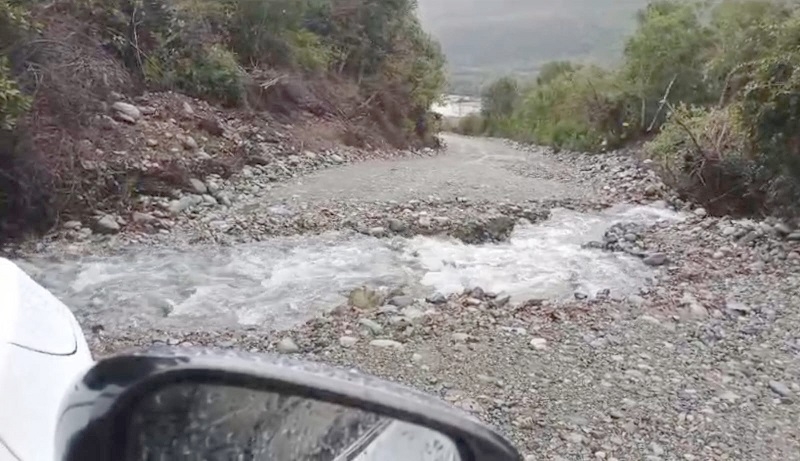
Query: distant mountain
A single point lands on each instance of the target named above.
(484, 38)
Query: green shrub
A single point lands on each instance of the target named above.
(554, 69)
(309, 52)
(499, 99)
(471, 125)
(15, 22)
(704, 154)
(667, 50)
(587, 109)
(214, 74)
(693, 136)
(13, 103)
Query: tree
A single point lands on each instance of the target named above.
(554, 69)
(669, 44)
(499, 99)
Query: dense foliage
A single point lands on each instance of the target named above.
(717, 88)
(14, 22)
(202, 46)
(207, 48)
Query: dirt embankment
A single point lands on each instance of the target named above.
(96, 139)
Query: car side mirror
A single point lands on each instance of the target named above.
(200, 404)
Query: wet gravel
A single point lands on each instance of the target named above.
(703, 363)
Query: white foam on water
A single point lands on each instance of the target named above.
(283, 281)
(541, 260)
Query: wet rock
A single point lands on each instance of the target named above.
(365, 298)
(151, 142)
(737, 307)
(460, 337)
(186, 109)
(336, 158)
(377, 232)
(497, 229)
(212, 126)
(579, 295)
(396, 225)
(437, 298)
(782, 229)
(125, 118)
(700, 212)
(387, 344)
(348, 341)
(189, 143)
(780, 388)
(72, 225)
(470, 301)
(402, 301)
(693, 310)
(412, 314)
(424, 222)
(107, 225)
(288, 346)
(128, 112)
(374, 327)
(180, 205)
(794, 236)
(142, 218)
(539, 344)
(225, 200)
(501, 300)
(198, 186)
(655, 259)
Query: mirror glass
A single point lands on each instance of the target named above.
(192, 421)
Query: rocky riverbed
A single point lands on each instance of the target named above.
(700, 361)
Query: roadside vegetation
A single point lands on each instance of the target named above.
(713, 91)
(364, 61)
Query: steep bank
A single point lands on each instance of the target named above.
(109, 102)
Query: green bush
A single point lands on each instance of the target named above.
(745, 151)
(471, 125)
(379, 44)
(15, 22)
(718, 83)
(13, 103)
(309, 52)
(668, 48)
(704, 154)
(554, 69)
(215, 74)
(588, 109)
(499, 99)
(694, 136)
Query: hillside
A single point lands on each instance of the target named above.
(87, 85)
(483, 38)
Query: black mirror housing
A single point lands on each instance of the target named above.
(94, 417)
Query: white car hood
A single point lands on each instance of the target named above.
(42, 352)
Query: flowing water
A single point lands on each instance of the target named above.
(286, 280)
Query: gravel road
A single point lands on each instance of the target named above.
(473, 169)
(703, 364)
